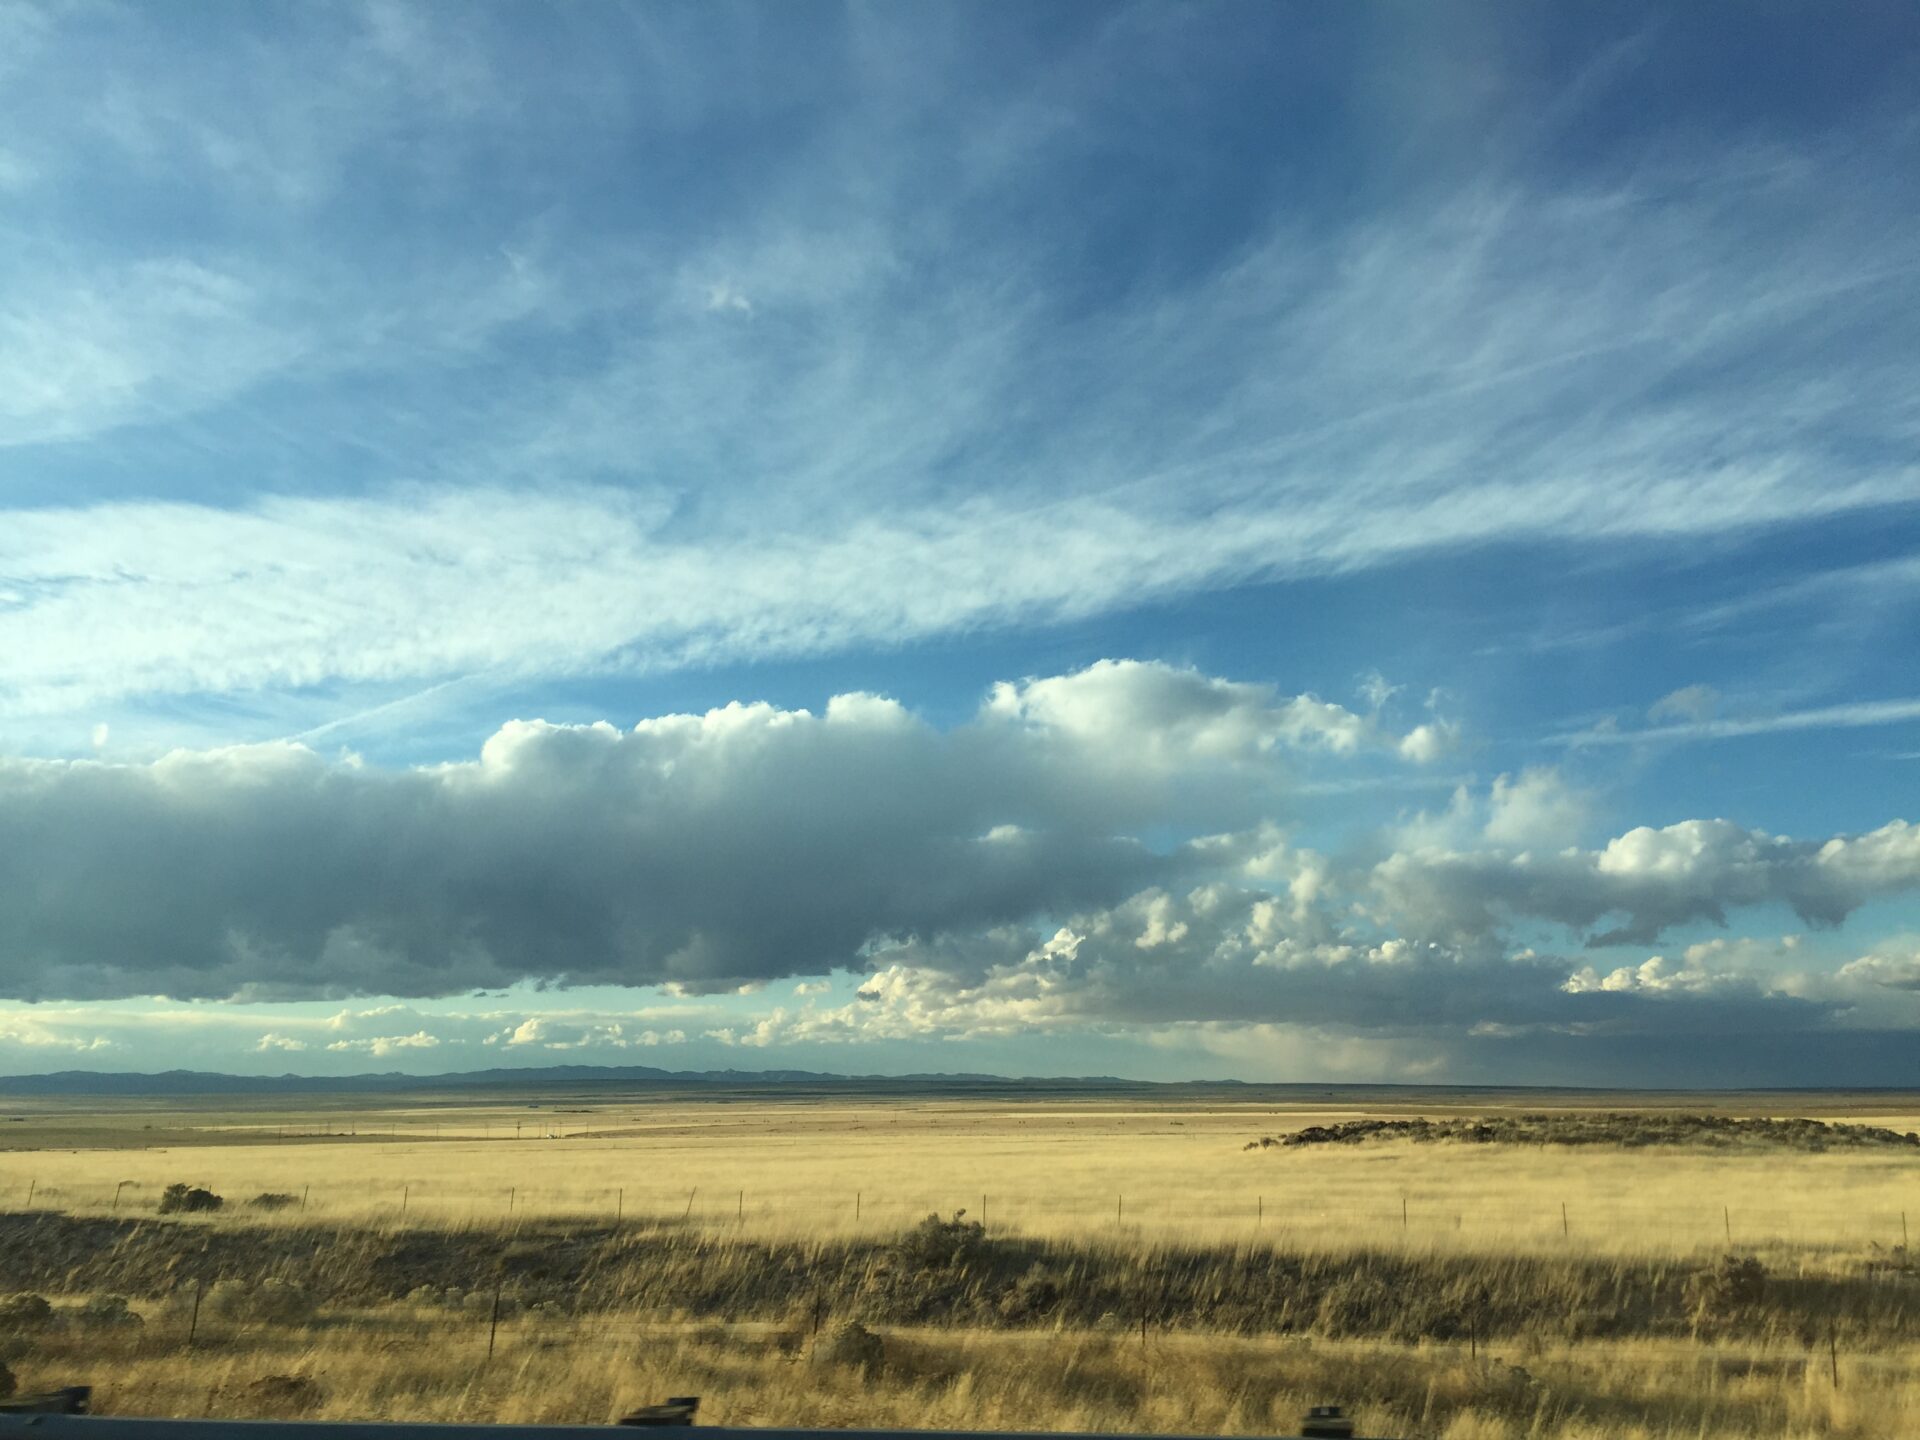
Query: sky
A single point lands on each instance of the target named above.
(1291, 542)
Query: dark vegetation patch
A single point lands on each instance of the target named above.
(177, 1199)
(944, 1272)
(283, 1395)
(1719, 1132)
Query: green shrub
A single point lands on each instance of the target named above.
(936, 1244)
(23, 1312)
(188, 1198)
(1736, 1285)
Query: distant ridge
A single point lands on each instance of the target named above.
(648, 1077)
(202, 1082)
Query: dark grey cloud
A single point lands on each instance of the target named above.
(711, 851)
(988, 879)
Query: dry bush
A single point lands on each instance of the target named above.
(945, 1272)
(852, 1344)
(283, 1395)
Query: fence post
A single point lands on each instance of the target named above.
(493, 1319)
(1565, 1230)
(619, 1204)
(1833, 1355)
(303, 1196)
(193, 1325)
(1726, 1216)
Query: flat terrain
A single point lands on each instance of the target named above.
(1139, 1267)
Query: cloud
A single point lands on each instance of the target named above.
(1645, 881)
(1690, 702)
(989, 879)
(381, 1046)
(724, 297)
(710, 851)
(31, 1033)
(1894, 964)
(506, 426)
(1850, 715)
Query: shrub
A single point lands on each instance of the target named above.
(1721, 1292)
(273, 1200)
(7, 1383)
(107, 1310)
(283, 1394)
(188, 1198)
(21, 1312)
(936, 1244)
(1033, 1296)
(271, 1302)
(855, 1346)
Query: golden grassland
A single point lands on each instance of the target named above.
(677, 1245)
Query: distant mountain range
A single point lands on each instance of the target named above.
(201, 1082)
(648, 1077)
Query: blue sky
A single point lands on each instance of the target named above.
(1354, 542)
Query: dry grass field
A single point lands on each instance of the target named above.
(1136, 1267)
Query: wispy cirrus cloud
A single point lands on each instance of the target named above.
(550, 452)
(1849, 715)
